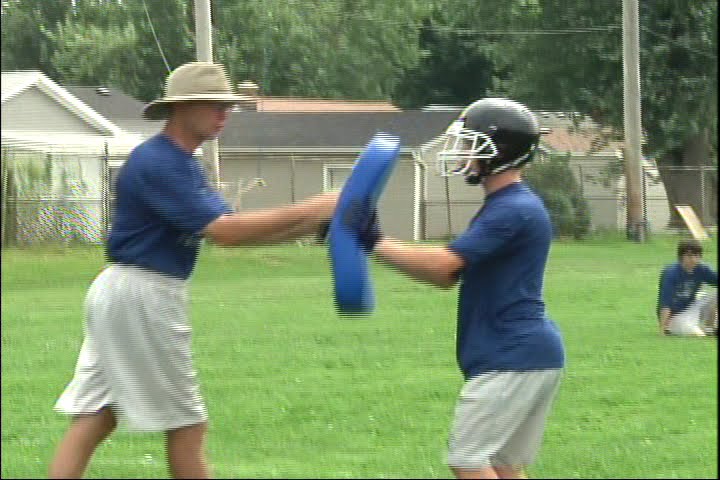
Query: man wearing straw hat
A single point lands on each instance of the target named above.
(135, 366)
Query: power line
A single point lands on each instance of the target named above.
(562, 31)
(677, 42)
(157, 42)
(477, 31)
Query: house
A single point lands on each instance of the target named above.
(259, 103)
(299, 154)
(55, 150)
(124, 110)
(39, 114)
(596, 159)
(278, 150)
(126, 113)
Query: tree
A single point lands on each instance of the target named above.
(25, 34)
(583, 72)
(555, 183)
(99, 42)
(112, 44)
(459, 41)
(339, 49)
(453, 70)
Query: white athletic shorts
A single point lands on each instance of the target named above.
(500, 418)
(136, 354)
(698, 318)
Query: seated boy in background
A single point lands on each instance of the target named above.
(682, 308)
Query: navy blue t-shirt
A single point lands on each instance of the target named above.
(502, 323)
(164, 202)
(678, 287)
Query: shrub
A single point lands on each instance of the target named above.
(555, 183)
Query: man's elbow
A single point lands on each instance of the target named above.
(219, 233)
(449, 272)
(220, 240)
(445, 284)
(446, 280)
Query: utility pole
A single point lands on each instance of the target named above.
(636, 227)
(204, 50)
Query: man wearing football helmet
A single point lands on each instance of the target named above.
(510, 352)
(489, 137)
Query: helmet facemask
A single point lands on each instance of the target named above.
(466, 152)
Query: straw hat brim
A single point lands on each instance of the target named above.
(159, 109)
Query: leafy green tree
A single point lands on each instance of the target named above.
(460, 43)
(339, 49)
(114, 44)
(583, 72)
(453, 70)
(564, 55)
(25, 33)
(98, 42)
(556, 185)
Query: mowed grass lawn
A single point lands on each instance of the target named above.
(294, 391)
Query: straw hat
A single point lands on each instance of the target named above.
(194, 81)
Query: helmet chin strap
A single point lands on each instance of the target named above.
(473, 179)
(483, 170)
(475, 176)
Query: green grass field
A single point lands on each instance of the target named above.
(294, 391)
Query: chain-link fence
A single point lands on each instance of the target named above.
(696, 186)
(61, 196)
(663, 187)
(56, 196)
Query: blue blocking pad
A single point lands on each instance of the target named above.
(354, 293)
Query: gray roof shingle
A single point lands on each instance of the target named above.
(307, 130)
(284, 129)
(118, 107)
(249, 129)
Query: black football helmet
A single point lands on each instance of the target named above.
(490, 136)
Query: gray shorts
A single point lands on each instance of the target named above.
(136, 354)
(500, 418)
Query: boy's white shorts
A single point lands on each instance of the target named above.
(698, 318)
(136, 354)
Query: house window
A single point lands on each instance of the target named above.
(335, 175)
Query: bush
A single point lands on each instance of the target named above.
(555, 183)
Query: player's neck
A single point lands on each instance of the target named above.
(183, 138)
(688, 267)
(493, 183)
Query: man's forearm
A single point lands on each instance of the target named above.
(435, 265)
(274, 224)
(664, 319)
(291, 233)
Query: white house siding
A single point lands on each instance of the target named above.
(56, 153)
(465, 200)
(33, 110)
(292, 177)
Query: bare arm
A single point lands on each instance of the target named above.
(664, 319)
(297, 231)
(272, 225)
(438, 266)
